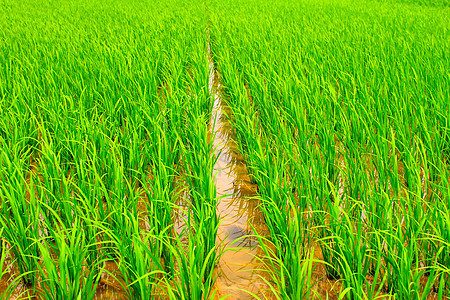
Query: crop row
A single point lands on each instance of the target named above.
(104, 147)
(341, 111)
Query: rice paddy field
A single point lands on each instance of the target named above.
(224, 149)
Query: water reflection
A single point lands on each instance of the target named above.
(239, 269)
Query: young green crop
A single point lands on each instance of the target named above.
(340, 110)
(103, 106)
(337, 111)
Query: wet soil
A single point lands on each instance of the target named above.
(239, 267)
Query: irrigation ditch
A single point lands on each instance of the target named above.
(240, 269)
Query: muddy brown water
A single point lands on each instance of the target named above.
(239, 268)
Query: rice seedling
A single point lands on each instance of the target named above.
(195, 275)
(20, 217)
(6, 293)
(64, 271)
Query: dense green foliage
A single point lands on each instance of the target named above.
(341, 110)
(103, 105)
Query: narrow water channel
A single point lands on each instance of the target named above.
(238, 268)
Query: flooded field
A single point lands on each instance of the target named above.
(189, 150)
